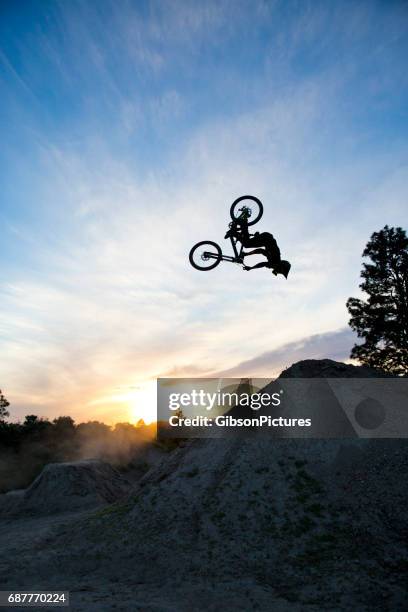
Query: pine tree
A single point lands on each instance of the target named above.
(382, 319)
(4, 413)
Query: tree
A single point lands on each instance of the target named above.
(382, 319)
(34, 425)
(30, 420)
(4, 413)
(64, 426)
(94, 429)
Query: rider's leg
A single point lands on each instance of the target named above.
(256, 252)
(251, 241)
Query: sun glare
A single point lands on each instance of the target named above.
(132, 405)
(143, 403)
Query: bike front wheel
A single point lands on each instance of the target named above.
(252, 203)
(205, 255)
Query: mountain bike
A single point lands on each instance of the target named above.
(206, 255)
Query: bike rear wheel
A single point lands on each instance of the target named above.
(254, 204)
(205, 255)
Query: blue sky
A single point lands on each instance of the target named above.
(128, 128)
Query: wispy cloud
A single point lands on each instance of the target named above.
(150, 128)
(332, 345)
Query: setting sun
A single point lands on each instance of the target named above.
(135, 403)
(143, 403)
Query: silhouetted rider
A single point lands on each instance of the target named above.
(269, 247)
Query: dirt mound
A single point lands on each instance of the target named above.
(308, 393)
(272, 520)
(327, 368)
(65, 487)
(276, 513)
(267, 524)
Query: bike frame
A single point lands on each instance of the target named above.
(238, 253)
(237, 233)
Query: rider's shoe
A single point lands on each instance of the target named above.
(228, 234)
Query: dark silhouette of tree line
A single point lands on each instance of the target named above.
(26, 447)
